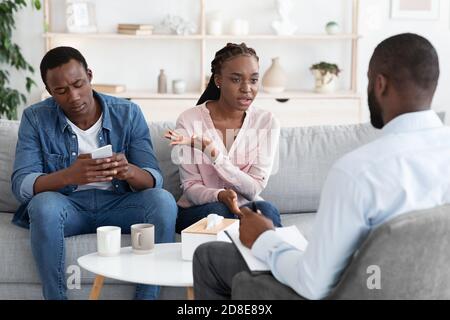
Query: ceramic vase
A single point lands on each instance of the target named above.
(332, 28)
(275, 78)
(162, 82)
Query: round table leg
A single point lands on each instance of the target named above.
(96, 288)
(190, 293)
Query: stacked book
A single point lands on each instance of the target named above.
(135, 29)
(109, 88)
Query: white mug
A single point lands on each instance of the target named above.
(108, 241)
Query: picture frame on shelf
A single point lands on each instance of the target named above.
(81, 16)
(415, 9)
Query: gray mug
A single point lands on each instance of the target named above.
(142, 237)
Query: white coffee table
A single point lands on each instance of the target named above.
(163, 266)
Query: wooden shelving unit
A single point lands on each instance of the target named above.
(204, 39)
(309, 37)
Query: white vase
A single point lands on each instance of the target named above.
(325, 83)
(239, 27)
(215, 27)
(275, 78)
(178, 86)
(214, 24)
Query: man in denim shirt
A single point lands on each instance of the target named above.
(62, 190)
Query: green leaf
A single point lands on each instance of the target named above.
(11, 56)
(30, 83)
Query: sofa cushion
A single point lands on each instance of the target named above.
(8, 140)
(306, 154)
(17, 260)
(163, 154)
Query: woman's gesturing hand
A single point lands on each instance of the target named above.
(230, 199)
(202, 144)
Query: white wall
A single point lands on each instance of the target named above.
(376, 25)
(137, 62)
(28, 35)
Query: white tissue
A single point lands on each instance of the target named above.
(213, 220)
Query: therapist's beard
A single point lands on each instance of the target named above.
(376, 117)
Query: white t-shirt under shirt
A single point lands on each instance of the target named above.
(88, 142)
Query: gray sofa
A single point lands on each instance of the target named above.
(305, 157)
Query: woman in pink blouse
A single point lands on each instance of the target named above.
(225, 146)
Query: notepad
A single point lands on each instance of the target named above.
(289, 234)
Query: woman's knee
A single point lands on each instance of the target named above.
(270, 211)
(267, 206)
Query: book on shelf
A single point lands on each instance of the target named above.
(134, 26)
(290, 235)
(135, 32)
(109, 88)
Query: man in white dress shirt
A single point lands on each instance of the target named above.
(406, 169)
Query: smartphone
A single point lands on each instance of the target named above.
(103, 152)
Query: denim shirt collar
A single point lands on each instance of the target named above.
(106, 124)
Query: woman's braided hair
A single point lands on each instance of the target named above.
(231, 50)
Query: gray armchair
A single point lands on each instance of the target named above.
(408, 257)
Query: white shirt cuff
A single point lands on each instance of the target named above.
(265, 243)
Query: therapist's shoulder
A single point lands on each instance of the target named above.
(362, 158)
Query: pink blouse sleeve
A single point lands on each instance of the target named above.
(191, 180)
(252, 183)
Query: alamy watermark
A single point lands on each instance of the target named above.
(256, 147)
(74, 279)
(374, 280)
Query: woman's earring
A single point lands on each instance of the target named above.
(218, 87)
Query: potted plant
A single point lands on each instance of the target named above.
(326, 75)
(11, 58)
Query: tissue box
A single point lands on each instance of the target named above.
(196, 234)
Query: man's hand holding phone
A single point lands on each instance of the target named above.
(102, 152)
(101, 165)
(87, 170)
(117, 163)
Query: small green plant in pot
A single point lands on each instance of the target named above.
(326, 75)
(11, 58)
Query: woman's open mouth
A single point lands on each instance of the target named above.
(245, 101)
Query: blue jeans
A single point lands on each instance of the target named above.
(188, 216)
(54, 216)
